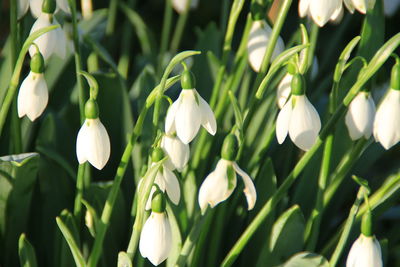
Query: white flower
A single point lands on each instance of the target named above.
(387, 122)
(178, 153)
(156, 238)
(36, 7)
(321, 11)
(166, 181)
(93, 143)
(23, 6)
(365, 252)
(33, 96)
(186, 115)
(181, 5)
(361, 5)
(50, 42)
(260, 34)
(300, 119)
(360, 116)
(284, 89)
(220, 183)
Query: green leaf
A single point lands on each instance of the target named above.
(287, 234)
(124, 260)
(344, 57)
(79, 260)
(27, 256)
(236, 109)
(306, 259)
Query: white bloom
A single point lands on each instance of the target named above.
(321, 11)
(387, 122)
(33, 96)
(36, 7)
(284, 89)
(360, 116)
(181, 5)
(218, 185)
(178, 153)
(365, 252)
(50, 42)
(391, 6)
(186, 115)
(93, 143)
(300, 119)
(361, 5)
(23, 6)
(156, 238)
(260, 33)
(166, 181)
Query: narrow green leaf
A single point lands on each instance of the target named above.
(27, 256)
(344, 57)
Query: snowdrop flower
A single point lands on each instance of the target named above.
(50, 42)
(361, 5)
(298, 117)
(189, 112)
(33, 94)
(178, 153)
(165, 180)
(260, 33)
(220, 183)
(321, 11)
(156, 237)
(182, 5)
(93, 142)
(360, 116)
(36, 7)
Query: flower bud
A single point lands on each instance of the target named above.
(298, 84)
(366, 224)
(49, 6)
(37, 63)
(395, 79)
(158, 203)
(188, 81)
(230, 148)
(91, 109)
(157, 154)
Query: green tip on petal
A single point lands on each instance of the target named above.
(37, 63)
(366, 224)
(157, 154)
(298, 84)
(395, 78)
(230, 147)
(158, 203)
(49, 6)
(291, 68)
(91, 109)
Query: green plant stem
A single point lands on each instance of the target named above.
(313, 44)
(166, 30)
(347, 228)
(180, 27)
(111, 16)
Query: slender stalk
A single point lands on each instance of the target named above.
(347, 228)
(166, 30)
(112, 15)
(180, 26)
(313, 44)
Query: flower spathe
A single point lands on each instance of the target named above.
(181, 6)
(187, 114)
(260, 34)
(365, 252)
(220, 183)
(156, 238)
(360, 116)
(33, 96)
(300, 119)
(178, 153)
(321, 11)
(387, 123)
(50, 42)
(93, 143)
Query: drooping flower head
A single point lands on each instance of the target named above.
(33, 94)
(321, 11)
(361, 5)
(36, 7)
(219, 184)
(298, 117)
(189, 112)
(156, 237)
(93, 142)
(178, 153)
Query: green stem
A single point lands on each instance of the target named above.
(347, 228)
(313, 44)
(79, 192)
(180, 26)
(112, 15)
(166, 30)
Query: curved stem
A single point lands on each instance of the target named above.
(180, 26)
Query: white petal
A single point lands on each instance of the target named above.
(36, 7)
(188, 116)
(97, 148)
(284, 89)
(23, 6)
(178, 153)
(360, 116)
(180, 6)
(322, 10)
(172, 186)
(282, 122)
(349, 5)
(303, 8)
(156, 238)
(170, 119)
(360, 5)
(82, 144)
(249, 188)
(215, 188)
(33, 96)
(305, 123)
(61, 46)
(63, 5)
(260, 34)
(47, 41)
(208, 119)
(387, 124)
(365, 252)
(338, 14)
